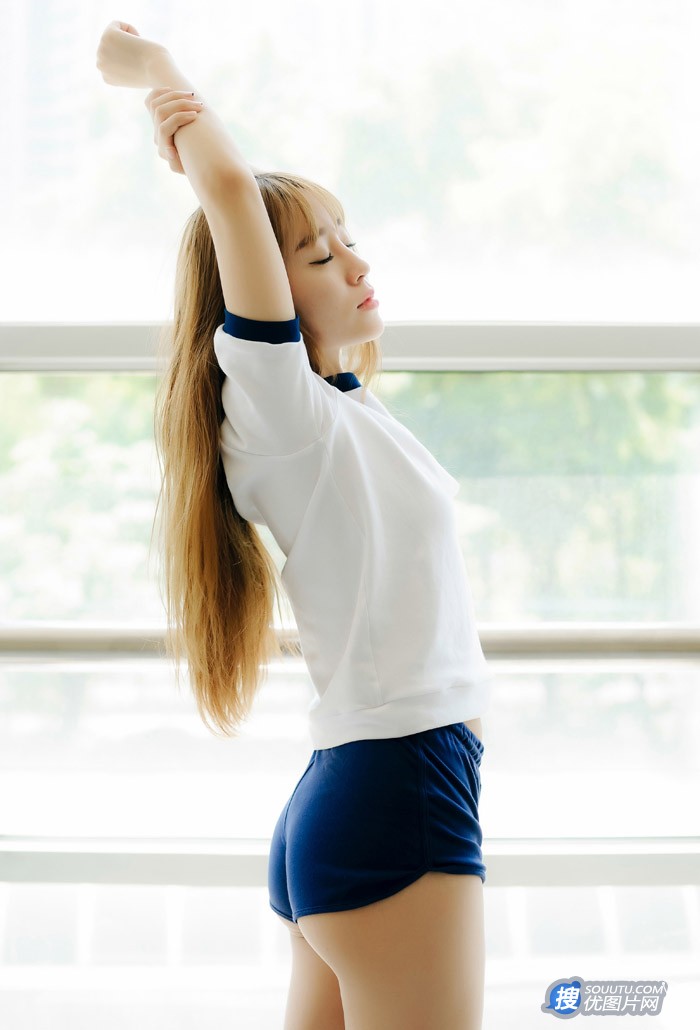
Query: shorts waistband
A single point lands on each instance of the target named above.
(470, 739)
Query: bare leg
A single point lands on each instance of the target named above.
(314, 1000)
(410, 961)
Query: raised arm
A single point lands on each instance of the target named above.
(253, 276)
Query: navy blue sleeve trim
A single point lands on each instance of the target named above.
(266, 332)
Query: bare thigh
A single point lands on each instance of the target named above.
(313, 1000)
(412, 961)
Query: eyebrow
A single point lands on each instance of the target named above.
(310, 239)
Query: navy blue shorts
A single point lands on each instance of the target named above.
(369, 817)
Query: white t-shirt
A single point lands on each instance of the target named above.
(365, 517)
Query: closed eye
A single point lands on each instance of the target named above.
(330, 256)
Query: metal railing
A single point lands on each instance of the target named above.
(406, 346)
(668, 641)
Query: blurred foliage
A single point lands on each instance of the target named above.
(574, 500)
(576, 483)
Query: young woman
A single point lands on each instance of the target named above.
(375, 862)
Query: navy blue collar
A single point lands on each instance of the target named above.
(344, 381)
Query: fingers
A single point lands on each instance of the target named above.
(170, 110)
(176, 165)
(161, 93)
(167, 129)
(164, 103)
(166, 116)
(123, 25)
(162, 113)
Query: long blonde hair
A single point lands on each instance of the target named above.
(220, 580)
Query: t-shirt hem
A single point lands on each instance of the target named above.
(404, 716)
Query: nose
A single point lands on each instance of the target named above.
(363, 265)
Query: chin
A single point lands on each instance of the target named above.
(379, 332)
(378, 318)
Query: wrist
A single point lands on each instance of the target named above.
(161, 69)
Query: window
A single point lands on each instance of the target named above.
(524, 188)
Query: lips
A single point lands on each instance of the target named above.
(368, 297)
